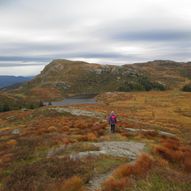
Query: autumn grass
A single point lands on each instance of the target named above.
(175, 152)
(105, 164)
(156, 110)
(147, 174)
(39, 174)
(160, 183)
(43, 129)
(74, 183)
(122, 176)
(112, 184)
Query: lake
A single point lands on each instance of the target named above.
(72, 101)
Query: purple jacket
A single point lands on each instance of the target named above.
(112, 119)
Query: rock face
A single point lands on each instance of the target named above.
(75, 77)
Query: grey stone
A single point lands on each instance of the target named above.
(16, 131)
(11, 118)
(56, 151)
(161, 133)
(113, 148)
(78, 112)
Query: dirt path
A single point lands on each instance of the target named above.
(95, 183)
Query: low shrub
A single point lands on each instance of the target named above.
(36, 176)
(74, 183)
(169, 154)
(142, 165)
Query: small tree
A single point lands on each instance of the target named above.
(6, 107)
(31, 106)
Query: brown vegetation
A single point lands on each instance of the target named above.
(74, 183)
(174, 151)
(112, 184)
(141, 166)
(121, 178)
(33, 177)
(23, 156)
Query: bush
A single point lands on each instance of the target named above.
(131, 86)
(141, 83)
(5, 107)
(187, 88)
(18, 104)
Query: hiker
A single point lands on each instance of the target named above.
(112, 121)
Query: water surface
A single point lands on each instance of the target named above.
(72, 101)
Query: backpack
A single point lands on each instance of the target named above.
(112, 119)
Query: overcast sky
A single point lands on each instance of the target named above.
(33, 32)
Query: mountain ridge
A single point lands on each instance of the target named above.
(79, 77)
(9, 80)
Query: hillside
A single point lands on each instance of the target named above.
(75, 77)
(66, 149)
(6, 81)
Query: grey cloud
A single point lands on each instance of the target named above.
(23, 59)
(151, 35)
(25, 64)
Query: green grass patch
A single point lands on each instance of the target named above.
(156, 182)
(107, 163)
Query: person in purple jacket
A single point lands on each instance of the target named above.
(112, 121)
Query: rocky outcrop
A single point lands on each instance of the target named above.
(128, 149)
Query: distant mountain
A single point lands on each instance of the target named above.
(6, 81)
(64, 77)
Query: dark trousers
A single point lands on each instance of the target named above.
(113, 128)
